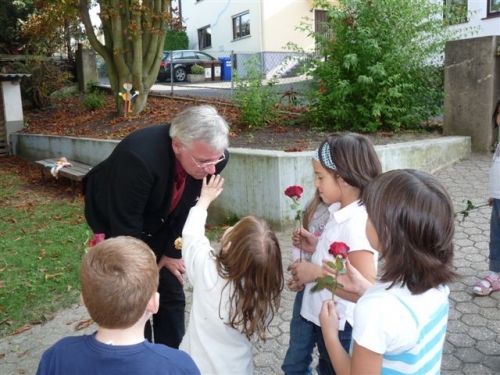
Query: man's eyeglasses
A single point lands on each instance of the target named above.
(207, 163)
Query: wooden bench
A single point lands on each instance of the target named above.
(76, 172)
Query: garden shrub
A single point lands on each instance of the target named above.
(256, 99)
(94, 99)
(175, 40)
(46, 78)
(380, 64)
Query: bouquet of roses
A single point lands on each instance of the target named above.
(339, 251)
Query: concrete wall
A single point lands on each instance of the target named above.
(471, 84)
(13, 106)
(256, 179)
(87, 67)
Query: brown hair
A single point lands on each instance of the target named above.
(311, 208)
(118, 277)
(413, 216)
(355, 159)
(253, 268)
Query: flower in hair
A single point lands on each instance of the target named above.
(339, 251)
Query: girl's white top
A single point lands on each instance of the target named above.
(215, 347)
(409, 330)
(495, 175)
(347, 225)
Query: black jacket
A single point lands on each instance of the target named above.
(130, 192)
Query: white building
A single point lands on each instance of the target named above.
(246, 25)
(483, 16)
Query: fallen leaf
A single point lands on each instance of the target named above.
(84, 324)
(51, 276)
(2, 355)
(22, 354)
(21, 371)
(22, 329)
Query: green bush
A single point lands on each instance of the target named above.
(94, 100)
(256, 99)
(380, 65)
(197, 69)
(176, 40)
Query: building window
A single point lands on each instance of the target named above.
(320, 21)
(455, 10)
(493, 8)
(205, 37)
(241, 25)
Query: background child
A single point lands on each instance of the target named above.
(236, 291)
(344, 165)
(119, 279)
(491, 282)
(401, 320)
(298, 357)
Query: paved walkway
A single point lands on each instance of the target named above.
(473, 338)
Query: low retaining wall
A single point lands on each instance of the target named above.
(256, 179)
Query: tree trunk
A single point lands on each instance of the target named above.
(134, 34)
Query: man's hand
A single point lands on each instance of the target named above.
(210, 190)
(175, 266)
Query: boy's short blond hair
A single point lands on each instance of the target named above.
(118, 277)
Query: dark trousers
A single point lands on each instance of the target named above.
(168, 322)
(325, 366)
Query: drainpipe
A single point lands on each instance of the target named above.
(261, 36)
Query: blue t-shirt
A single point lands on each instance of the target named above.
(83, 355)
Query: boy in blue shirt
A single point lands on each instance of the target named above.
(119, 281)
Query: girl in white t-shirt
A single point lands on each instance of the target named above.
(400, 322)
(343, 166)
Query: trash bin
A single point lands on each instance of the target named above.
(216, 73)
(208, 70)
(226, 68)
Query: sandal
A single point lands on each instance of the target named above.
(481, 290)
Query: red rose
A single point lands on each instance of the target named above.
(294, 191)
(339, 248)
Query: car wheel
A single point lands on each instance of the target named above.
(180, 74)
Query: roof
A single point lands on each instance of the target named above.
(13, 76)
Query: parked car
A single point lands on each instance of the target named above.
(182, 60)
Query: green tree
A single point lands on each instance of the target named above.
(381, 65)
(12, 14)
(134, 36)
(53, 26)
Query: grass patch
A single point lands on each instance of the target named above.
(42, 240)
(43, 236)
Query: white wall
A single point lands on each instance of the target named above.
(218, 14)
(477, 20)
(273, 23)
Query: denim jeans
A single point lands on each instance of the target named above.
(298, 356)
(324, 364)
(495, 237)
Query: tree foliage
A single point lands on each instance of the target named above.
(53, 26)
(176, 39)
(381, 65)
(11, 14)
(134, 36)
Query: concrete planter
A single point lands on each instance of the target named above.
(194, 78)
(256, 179)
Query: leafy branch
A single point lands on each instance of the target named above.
(470, 206)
